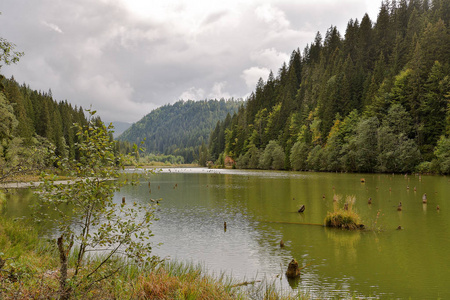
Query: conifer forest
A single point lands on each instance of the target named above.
(372, 99)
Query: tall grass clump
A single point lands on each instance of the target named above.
(25, 262)
(343, 217)
(184, 281)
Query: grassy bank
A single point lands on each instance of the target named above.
(25, 262)
(30, 271)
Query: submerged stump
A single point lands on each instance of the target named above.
(424, 198)
(301, 209)
(293, 270)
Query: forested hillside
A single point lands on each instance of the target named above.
(374, 99)
(181, 128)
(31, 125)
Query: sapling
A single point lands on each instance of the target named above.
(89, 221)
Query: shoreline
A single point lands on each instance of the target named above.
(31, 184)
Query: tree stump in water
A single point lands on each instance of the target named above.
(293, 270)
(302, 209)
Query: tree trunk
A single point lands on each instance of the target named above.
(63, 290)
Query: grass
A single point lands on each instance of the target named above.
(343, 217)
(181, 281)
(30, 270)
(26, 259)
(2, 200)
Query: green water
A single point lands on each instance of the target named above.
(260, 209)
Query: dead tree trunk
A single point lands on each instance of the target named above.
(63, 259)
(293, 270)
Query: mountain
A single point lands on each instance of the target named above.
(181, 128)
(374, 99)
(120, 127)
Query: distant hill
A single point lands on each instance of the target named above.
(120, 127)
(181, 128)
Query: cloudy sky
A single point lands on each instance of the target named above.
(127, 57)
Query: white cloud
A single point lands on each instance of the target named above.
(273, 16)
(192, 93)
(217, 91)
(52, 26)
(252, 75)
(269, 58)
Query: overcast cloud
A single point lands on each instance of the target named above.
(127, 57)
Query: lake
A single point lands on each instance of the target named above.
(260, 209)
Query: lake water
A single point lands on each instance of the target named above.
(260, 209)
